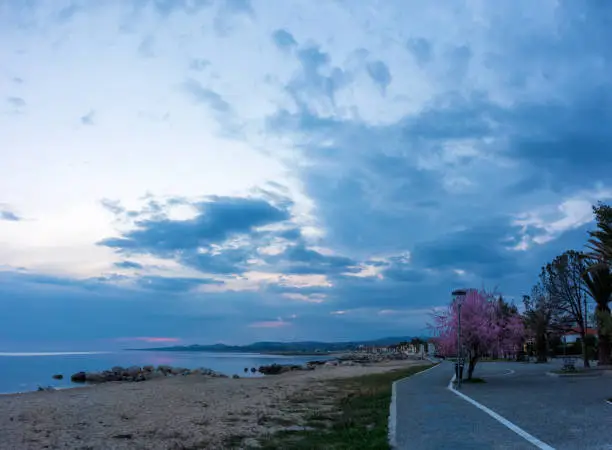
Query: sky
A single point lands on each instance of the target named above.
(201, 171)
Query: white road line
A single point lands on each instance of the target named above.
(392, 424)
(522, 433)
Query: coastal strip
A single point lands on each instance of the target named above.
(200, 411)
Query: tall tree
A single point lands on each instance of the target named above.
(538, 316)
(485, 328)
(598, 277)
(563, 282)
(598, 280)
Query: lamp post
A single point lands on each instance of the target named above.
(459, 295)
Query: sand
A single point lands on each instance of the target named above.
(191, 412)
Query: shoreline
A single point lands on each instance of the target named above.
(44, 378)
(192, 411)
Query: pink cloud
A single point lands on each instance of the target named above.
(149, 339)
(270, 324)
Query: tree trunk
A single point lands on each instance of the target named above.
(585, 356)
(603, 336)
(541, 348)
(471, 366)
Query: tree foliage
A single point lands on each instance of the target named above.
(598, 277)
(488, 325)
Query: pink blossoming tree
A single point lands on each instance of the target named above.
(488, 326)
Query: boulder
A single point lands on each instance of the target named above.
(148, 368)
(235, 377)
(47, 388)
(275, 369)
(164, 369)
(132, 371)
(178, 370)
(117, 369)
(152, 375)
(79, 377)
(96, 377)
(112, 376)
(208, 373)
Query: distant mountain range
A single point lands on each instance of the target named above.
(282, 347)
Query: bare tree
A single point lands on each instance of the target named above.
(539, 316)
(564, 284)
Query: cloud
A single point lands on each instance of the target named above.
(420, 49)
(173, 284)
(228, 13)
(222, 111)
(16, 102)
(380, 74)
(8, 215)
(88, 119)
(128, 265)
(297, 259)
(68, 12)
(283, 39)
(206, 240)
(477, 164)
(316, 81)
(146, 48)
(199, 64)
(168, 7)
(216, 220)
(270, 324)
(206, 96)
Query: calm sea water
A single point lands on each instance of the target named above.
(21, 372)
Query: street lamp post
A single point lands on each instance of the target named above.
(459, 294)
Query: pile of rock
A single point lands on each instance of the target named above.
(276, 369)
(315, 364)
(137, 374)
(364, 358)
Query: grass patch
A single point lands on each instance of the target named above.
(569, 372)
(359, 420)
(474, 380)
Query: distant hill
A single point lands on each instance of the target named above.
(282, 347)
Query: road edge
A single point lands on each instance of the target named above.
(392, 423)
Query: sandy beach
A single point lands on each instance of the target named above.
(192, 412)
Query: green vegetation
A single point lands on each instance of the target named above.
(359, 419)
(474, 380)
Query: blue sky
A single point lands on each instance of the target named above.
(240, 170)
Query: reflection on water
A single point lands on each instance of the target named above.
(28, 371)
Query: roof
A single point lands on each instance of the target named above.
(576, 330)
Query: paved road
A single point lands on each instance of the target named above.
(430, 417)
(565, 413)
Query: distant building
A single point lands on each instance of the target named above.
(573, 335)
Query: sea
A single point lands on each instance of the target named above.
(22, 372)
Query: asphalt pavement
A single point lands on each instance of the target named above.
(430, 417)
(565, 413)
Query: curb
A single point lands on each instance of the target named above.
(574, 375)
